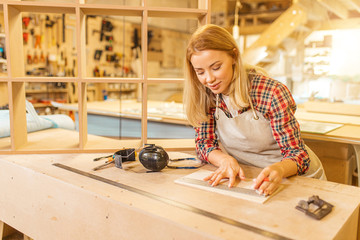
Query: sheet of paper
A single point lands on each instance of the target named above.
(243, 190)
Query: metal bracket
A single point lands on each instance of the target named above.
(315, 207)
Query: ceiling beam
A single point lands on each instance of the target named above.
(355, 4)
(351, 23)
(336, 7)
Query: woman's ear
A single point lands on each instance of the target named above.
(236, 55)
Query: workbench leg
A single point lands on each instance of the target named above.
(357, 159)
(2, 224)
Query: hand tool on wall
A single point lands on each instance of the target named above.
(106, 26)
(26, 37)
(26, 21)
(37, 41)
(28, 58)
(49, 24)
(35, 58)
(63, 28)
(42, 57)
(97, 54)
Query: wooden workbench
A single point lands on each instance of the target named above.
(339, 149)
(47, 202)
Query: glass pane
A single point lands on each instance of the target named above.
(174, 4)
(47, 116)
(43, 95)
(113, 46)
(49, 44)
(114, 110)
(166, 118)
(4, 118)
(167, 43)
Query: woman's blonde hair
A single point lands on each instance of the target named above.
(197, 98)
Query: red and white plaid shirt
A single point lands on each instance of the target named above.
(274, 100)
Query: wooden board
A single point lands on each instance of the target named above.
(333, 108)
(243, 189)
(317, 127)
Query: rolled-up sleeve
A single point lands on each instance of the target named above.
(205, 138)
(286, 129)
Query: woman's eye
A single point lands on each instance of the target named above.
(199, 73)
(216, 68)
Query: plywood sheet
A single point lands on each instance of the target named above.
(243, 189)
(317, 127)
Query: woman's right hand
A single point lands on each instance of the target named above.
(228, 168)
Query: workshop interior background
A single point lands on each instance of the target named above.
(315, 54)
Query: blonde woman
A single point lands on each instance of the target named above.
(241, 116)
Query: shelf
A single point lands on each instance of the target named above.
(76, 13)
(32, 91)
(43, 7)
(176, 12)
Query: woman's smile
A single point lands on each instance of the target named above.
(214, 69)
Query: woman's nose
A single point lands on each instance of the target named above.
(210, 77)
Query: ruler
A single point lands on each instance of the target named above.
(204, 184)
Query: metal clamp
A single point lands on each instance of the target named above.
(315, 207)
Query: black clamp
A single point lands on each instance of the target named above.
(124, 155)
(315, 207)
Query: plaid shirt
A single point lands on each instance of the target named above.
(272, 99)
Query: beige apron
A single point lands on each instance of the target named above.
(248, 138)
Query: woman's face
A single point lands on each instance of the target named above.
(214, 69)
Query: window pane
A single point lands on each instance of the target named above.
(167, 42)
(166, 118)
(114, 111)
(113, 46)
(4, 118)
(49, 44)
(46, 115)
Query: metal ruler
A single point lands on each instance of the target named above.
(197, 182)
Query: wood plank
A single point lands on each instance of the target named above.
(165, 12)
(59, 140)
(336, 7)
(337, 24)
(355, 4)
(18, 124)
(350, 132)
(13, 32)
(315, 11)
(332, 108)
(242, 189)
(282, 27)
(326, 117)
